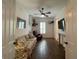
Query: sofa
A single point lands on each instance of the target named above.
(24, 46)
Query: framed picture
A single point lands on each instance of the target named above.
(21, 23)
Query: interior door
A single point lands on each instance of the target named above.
(71, 31)
(8, 15)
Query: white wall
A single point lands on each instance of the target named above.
(22, 12)
(56, 30)
(49, 27)
(59, 16)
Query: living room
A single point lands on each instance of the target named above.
(39, 27)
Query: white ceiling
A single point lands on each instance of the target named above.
(42, 3)
(55, 6)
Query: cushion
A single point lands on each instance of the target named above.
(26, 37)
(22, 39)
(31, 35)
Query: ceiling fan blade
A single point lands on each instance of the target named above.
(48, 12)
(40, 11)
(45, 15)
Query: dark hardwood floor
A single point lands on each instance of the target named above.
(48, 49)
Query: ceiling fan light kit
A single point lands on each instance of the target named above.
(42, 16)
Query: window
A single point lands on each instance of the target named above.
(42, 27)
(21, 24)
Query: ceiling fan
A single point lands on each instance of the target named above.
(44, 13)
